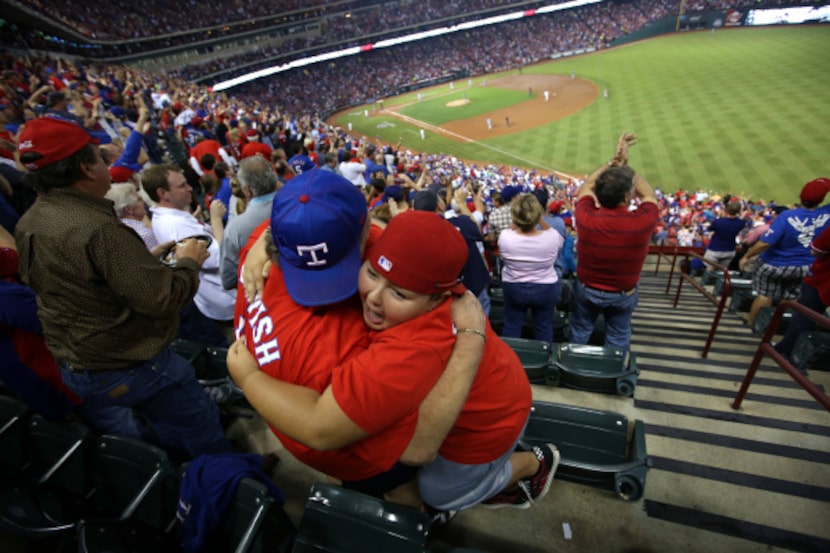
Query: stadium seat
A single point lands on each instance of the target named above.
(599, 448)
(718, 281)
(255, 522)
(103, 478)
(211, 369)
(765, 316)
(13, 416)
(215, 378)
(741, 295)
(535, 356)
(811, 351)
(194, 352)
(336, 520)
(594, 369)
(153, 527)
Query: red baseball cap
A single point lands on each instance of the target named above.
(252, 132)
(120, 173)
(814, 191)
(54, 139)
(431, 264)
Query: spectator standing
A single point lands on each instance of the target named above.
(352, 169)
(612, 244)
(784, 249)
(529, 279)
(725, 231)
(212, 305)
(122, 302)
(259, 184)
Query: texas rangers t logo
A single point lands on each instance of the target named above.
(312, 251)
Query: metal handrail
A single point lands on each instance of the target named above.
(671, 251)
(660, 250)
(765, 347)
(720, 304)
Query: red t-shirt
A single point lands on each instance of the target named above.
(613, 243)
(302, 345)
(496, 409)
(403, 364)
(206, 147)
(819, 277)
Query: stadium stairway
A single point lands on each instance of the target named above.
(752, 480)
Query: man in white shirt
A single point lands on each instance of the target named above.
(352, 169)
(167, 186)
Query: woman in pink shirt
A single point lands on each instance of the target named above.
(528, 250)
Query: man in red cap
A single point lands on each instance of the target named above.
(784, 249)
(109, 309)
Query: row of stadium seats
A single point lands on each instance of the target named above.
(812, 348)
(62, 483)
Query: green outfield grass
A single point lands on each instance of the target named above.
(745, 111)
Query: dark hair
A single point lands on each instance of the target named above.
(379, 185)
(156, 177)
(221, 169)
(613, 185)
(60, 174)
(208, 161)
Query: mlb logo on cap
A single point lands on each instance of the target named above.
(384, 263)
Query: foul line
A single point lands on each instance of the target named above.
(469, 140)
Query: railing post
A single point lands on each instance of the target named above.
(765, 347)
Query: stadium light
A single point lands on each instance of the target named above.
(302, 62)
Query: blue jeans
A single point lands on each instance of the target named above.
(799, 323)
(616, 307)
(541, 299)
(484, 300)
(165, 391)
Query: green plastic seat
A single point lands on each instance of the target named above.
(594, 369)
(103, 478)
(811, 351)
(255, 522)
(194, 352)
(535, 356)
(337, 520)
(599, 448)
(765, 316)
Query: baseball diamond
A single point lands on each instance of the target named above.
(738, 110)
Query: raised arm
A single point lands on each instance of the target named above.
(619, 159)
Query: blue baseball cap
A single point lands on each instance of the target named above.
(317, 220)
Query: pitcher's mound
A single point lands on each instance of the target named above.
(457, 103)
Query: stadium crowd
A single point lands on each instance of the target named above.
(221, 28)
(210, 165)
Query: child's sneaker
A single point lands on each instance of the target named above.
(536, 486)
(515, 499)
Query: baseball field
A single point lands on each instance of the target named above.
(745, 111)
